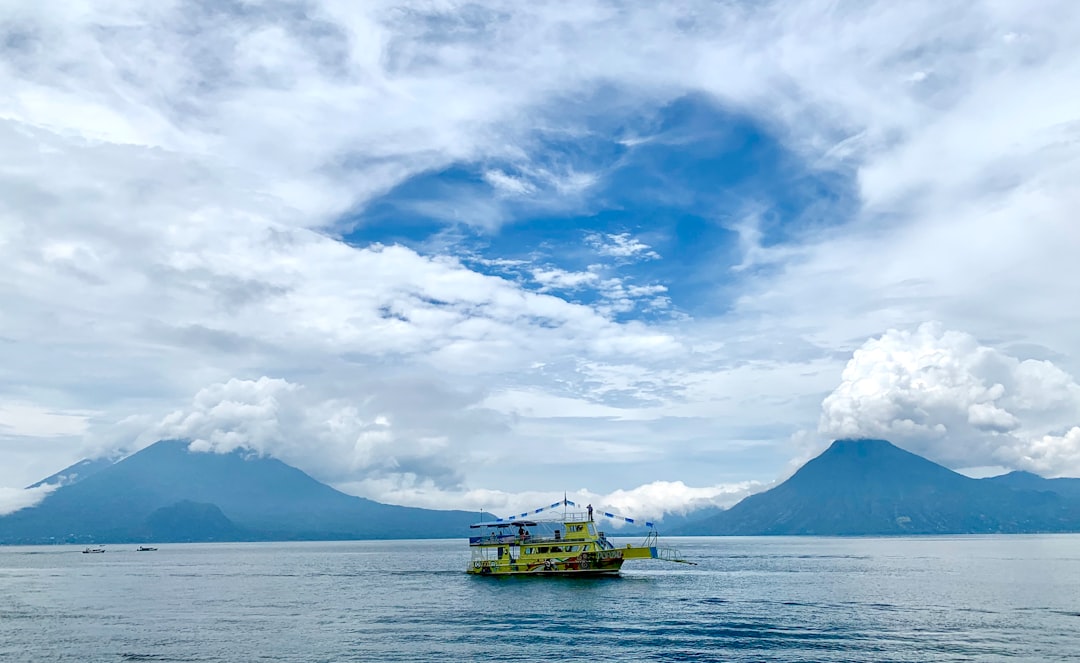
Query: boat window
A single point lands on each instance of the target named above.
(500, 552)
(543, 550)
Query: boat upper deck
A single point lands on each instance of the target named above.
(573, 528)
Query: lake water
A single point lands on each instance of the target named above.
(981, 598)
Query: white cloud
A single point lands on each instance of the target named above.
(553, 278)
(333, 439)
(240, 414)
(659, 497)
(943, 394)
(508, 184)
(622, 297)
(1050, 455)
(543, 405)
(31, 420)
(621, 245)
(369, 447)
(618, 295)
(540, 183)
(14, 499)
(650, 501)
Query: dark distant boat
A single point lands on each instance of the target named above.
(145, 549)
(97, 549)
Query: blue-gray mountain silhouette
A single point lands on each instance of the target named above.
(1066, 487)
(864, 487)
(149, 496)
(190, 521)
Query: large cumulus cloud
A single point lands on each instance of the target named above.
(943, 393)
(333, 438)
(371, 445)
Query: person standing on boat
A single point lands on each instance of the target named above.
(590, 512)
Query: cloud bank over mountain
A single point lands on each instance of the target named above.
(943, 394)
(13, 499)
(428, 250)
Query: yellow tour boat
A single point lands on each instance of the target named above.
(571, 545)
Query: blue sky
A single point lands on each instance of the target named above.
(681, 178)
(464, 255)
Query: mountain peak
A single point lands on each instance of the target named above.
(1021, 480)
(868, 486)
(171, 493)
(871, 461)
(861, 446)
(1020, 475)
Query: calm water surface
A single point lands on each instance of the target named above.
(749, 599)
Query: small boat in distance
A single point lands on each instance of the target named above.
(95, 549)
(145, 549)
(574, 547)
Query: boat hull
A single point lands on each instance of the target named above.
(607, 562)
(563, 574)
(542, 572)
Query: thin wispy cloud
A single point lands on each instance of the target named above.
(621, 245)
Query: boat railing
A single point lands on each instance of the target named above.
(672, 555)
(490, 539)
(576, 516)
